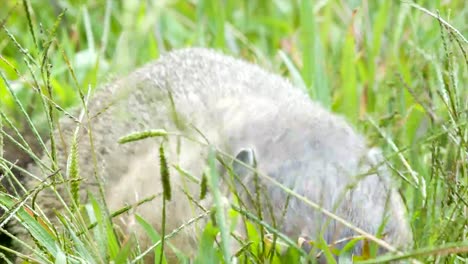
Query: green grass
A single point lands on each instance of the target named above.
(398, 71)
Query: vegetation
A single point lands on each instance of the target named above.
(397, 70)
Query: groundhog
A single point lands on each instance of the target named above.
(209, 102)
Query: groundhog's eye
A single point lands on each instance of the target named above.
(244, 162)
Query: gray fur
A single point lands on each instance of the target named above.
(236, 106)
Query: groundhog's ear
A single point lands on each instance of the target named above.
(247, 161)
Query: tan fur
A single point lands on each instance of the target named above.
(235, 105)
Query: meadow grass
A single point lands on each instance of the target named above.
(397, 70)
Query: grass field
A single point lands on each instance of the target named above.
(397, 70)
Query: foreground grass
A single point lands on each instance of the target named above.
(396, 70)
